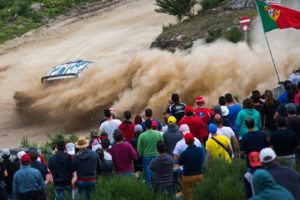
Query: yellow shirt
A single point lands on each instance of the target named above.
(217, 151)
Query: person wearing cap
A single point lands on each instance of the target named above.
(192, 160)
(181, 145)
(293, 120)
(284, 142)
(266, 188)
(234, 108)
(127, 127)
(172, 135)
(146, 148)
(11, 168)
(195, 123)
(85, 163)
(218, 146)
(205, 114)
(60, 165)
(282, 108)
(123, 155)
(248, 176)
(95, 140)
(284, 176)
(28, 182)
(253, 140)
(34, 155)
(149, 115)
(110, 125)
(176, 108)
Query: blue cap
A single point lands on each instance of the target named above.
(212, 128)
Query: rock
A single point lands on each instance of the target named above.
(37, 7)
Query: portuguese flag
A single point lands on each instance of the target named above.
(275, 16)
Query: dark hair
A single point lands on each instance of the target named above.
(118, 135)
(255, 96)
(175, 97)
(61, 145)
(138, 119)
(148, 123)
(298, 85)
(105, 143)
(290, 95)
(148, 112)
(281, 122)
(33, 155)
(127, 115)
(107, 113)
(161, 146)
(218, 119)
(228, 98)
(287, 84)
(249, 123)
(248, 103)
(222, 101)
(190, 113)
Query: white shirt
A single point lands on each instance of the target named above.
(181, 146)
(225, 131)
(109, 127)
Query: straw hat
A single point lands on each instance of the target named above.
(82, 143)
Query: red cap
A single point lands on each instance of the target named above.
(26, 158)
(154, 124)
(200, 99)
(189, 109)
(189, 138)
(254, 159)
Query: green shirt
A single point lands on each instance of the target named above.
(147, 143)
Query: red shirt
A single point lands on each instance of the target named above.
(127, 128)
(296, 99)
(195, 124)
(205, 114)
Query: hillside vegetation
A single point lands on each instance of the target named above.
(19, 16)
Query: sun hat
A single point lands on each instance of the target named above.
(172, 120)
(200, 99)
(253, 158)
(212, 128)
(5, 153)
(70, 148)
(20, 154)
(189, 138)
(224, 110)
(82, 143)
(267, 155)
(184, 129)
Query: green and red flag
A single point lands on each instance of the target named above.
(277, 17)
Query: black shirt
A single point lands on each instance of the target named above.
(11, 168)
(177, 110)
(41, 167)
(284, 142)
(2, 170)
(192, 160)
(269, 112)
(293, 123)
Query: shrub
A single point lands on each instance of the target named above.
(208, 4)
(234, 34)
(213, 35)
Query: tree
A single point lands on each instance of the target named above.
(178, 8)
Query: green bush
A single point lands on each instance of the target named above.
(234, 34)
(213, 35)
(208, 4)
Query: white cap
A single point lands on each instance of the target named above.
(20, 154)
(184, 129)
(5, 153)
(267, 155)
(70, 148)
(225, 111)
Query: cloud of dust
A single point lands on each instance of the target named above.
(152, 76)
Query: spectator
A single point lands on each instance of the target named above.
(11, 168)
(28, 182)
(95, 140)
(110, 125)
(269, 110)
(162, 169)
(122, 155)
(191, 159)
(266, 188)
(181, 145)
(19, 156)
(105, 146)
(287, 87)
(282, 110)
(248, 112)
(224, 114)
(293, 120)
(284, 176)
(196, 125)
(60, 165)
(86, 163)
(127, 127)
(147, 148)
(70, 148)
(258, 104)
(205, 114)
(106, 168)
(176, 108)
(218, 146)
(253, 140)
(284, 142)
(234, 108)
(227, 132)
(148, 115)
(248, 177)
(138, 120)
(172, 135)
(138, 164)
(297, 96)
(38, 165)
(3, 174)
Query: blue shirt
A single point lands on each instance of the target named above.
(192, 160)
(27, 179)
(283, 97)
(233, 113)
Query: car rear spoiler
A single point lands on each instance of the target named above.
(59, 76)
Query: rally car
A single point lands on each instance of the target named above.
(69, 70)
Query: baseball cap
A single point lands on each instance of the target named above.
(291, 108)
(184, 129)
(172, 120)
(20, 154)
(70, 148)
(154, 124)
(189, 109)
(267, 155)
(26, 158)
(253, 158)
(189, 138)
(212, 128)
(5, 153)
(200, 99)
(138, 128)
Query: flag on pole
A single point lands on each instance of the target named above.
(277, 17)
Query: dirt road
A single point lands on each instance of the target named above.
(107, 38)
